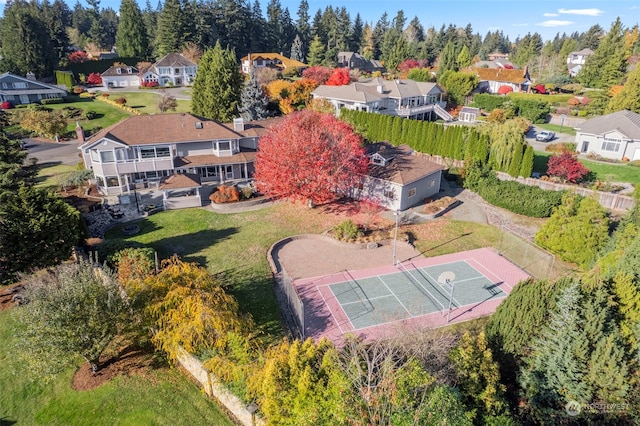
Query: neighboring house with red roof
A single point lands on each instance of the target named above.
(492, 79)
(269, 60)
(120, 76)
(397, 179)
(172, 69)
(20, 90)
(615, 136)
(403, 98)
(145, 150)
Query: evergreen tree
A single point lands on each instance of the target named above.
(303, 28)
(463, 59)
(576, 230)
(296, 49)
(131, 38)
(316, 52)
(253, 101)
(26, 43)
(259, 40)
(97, 32)
(150, 19)
(356, 35)
(109, 23)
(607, 66)
(57, 17)
(629, 96)
(526, 167)
(554, 373)
(216, 90)
(367, 47)
(447, 59)
(591, 39)
(169, 29)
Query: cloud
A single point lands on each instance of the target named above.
(585, 12)
(550, 15)
(555, 23)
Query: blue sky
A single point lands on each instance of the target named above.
(513, 17)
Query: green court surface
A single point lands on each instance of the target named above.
(413, 291)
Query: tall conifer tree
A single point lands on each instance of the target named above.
(131, 38)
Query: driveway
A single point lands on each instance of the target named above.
(541, 146)
(47, 151)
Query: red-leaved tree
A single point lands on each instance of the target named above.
(566, 166)
(94, 78)
(339, 77)
(311, 157)
(407, 65)
(78, 57)
(317, 73)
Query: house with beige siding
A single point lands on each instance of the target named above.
(615, 136)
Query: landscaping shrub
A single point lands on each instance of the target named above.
(149, 84)
(247, 192)
(347, 231)
(120, 101)
(6, 105)
(52, 101)
(511, 195)
(225, 194)
(488, 102)
(89, 114)
(87, 95)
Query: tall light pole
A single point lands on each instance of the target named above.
(450, 298)
(395, 237)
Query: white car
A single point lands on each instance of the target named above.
(545, 136)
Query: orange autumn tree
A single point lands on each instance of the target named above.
(310, 156)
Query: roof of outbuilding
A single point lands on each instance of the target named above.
(180, 181)
(403, 168)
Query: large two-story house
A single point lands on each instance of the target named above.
(172, 69)
(19, 90)
(355, 61)
(269, 60)
(144, 150)
(404, 98)
(576, 60)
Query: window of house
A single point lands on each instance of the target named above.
(118, 71)
(5, 86)
(147, 153)
(112, 181)
(94, 155)
(224, 146)
(412, 192)
(106, 157)
(389, 194)
(612, 145)
(163, 151)
(99, 181)
(19, 85)
(176, 71)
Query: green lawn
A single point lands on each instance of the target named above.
(165, 397)
(147, 102)
(106, 114)
(52, 175)
(557, 128)
(606, 172)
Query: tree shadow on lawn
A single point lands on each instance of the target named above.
(189, 244)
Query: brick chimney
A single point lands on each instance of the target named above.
(79, 133)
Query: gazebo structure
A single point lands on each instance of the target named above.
(181, 190)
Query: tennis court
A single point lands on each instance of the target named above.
(428, 292)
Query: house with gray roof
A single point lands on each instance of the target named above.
(615, 136)
(355, 61)
(403, 98)
(397, 179)
(576, 60)
(120, 76)
(20, 90)
(172, 69)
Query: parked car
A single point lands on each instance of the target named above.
(545, 136)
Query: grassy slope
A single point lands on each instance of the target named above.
(106, 114)
(166, 397)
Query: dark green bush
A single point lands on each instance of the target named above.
(488, 102)
(89, 115)
(52, 101)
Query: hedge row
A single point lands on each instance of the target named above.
(534, 110)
